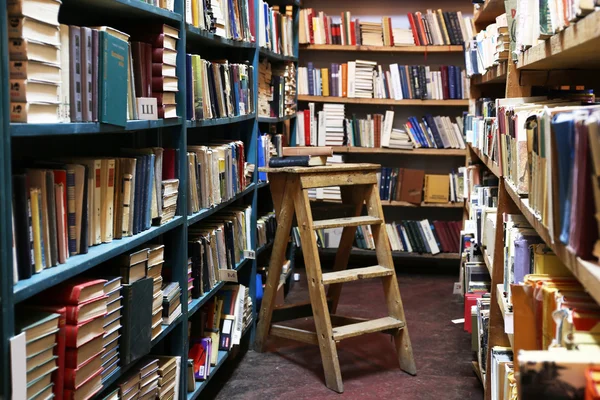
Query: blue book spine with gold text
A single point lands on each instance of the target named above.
(114, 66)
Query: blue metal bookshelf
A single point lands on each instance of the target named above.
(174, 133)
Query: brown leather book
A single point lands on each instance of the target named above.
(412, 185)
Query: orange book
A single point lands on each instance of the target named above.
(345, 80)
(419, 21)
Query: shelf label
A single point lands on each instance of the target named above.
(147, 108)
(242, 108)
(457, 288)
(251, 254)
(228, 275)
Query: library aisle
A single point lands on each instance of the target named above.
(290, 369)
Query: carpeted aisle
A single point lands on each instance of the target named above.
(292, 371)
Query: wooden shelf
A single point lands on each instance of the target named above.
(575, 47)
(587, 272)
(489, 263)
(78, 264)
(274, 120)
(382, 49)
(272, 56)
(394, 203)
(496, 74)
(487, 14)
(385, 102)
(124, 9)
(219, 121)
(495, 169)
(414, 152)
(396, 254)
(83, 128)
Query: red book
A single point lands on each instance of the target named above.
(413, 28)
(455, 230)
(311, 33)
(326, 27)
(78, 335)
(87, 310)
(77, 377)
(252, 22)
(470, 300)
(76, 291)
(442, 236)
(169, 158)
(87, 390)
(421, 25)
(306, 128)
(76, 357)
(58, 376)
(390, 31)
(352, 39)
(444, 70)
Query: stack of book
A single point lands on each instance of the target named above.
(247, 315)
(148, 378)
(331, 124)
(275, 29)
(171, 305)
(356, 79)
(156, 259)
(290, 89)
(490, 47)
(168, 377)
(216, 174)
(220, 89)
(399, 139)
(112, 326)
(431, 28)
(164, 75)
(40, 329)
(402, 37)
(129, 385)
(265, 227)
(170, 192)
(331, 192)
(132, 267)
(190, 278)
(35, 55)
(68, 206)
(371, 34)
(265, 93)
(85, 303)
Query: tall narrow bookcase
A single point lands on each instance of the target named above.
(566, 58)
(73, 139)
(433, 161)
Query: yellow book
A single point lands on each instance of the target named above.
(546, 262)
(445, 34)
(36, 224)
(325, 79)
(437, 188)
(195, 17)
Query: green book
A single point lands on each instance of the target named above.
(36, 324)
(198, 81)
(113, 61)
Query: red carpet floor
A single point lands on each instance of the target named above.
(291, 370)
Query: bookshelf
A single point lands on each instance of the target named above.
(487, 13)
(175, 133)
(383, 102)
(385, 150)
(382, 49)
(573, 55)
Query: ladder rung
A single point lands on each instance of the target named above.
(349, 275)
(348, 221)
(374, 325)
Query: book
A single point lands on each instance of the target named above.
(436, 188)
(297, 161)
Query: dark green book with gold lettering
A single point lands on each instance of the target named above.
(113, 68)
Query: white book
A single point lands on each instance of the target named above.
(351, 79)
(387, 128)
(65, 94)
(322, 134)
(300, 129)
(428, 233)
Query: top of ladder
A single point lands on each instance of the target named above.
(323, 169)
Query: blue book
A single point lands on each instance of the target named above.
(311, 79)
(232, 20)
(403, 81)
(458, 76)
(151, 185)
(262, 176)
(189, 87)
(452, 81)
(113, 67)
(423, 237)
(564, 132)
(267, 24)
(419, 133)
(399, 230)
(434, 131)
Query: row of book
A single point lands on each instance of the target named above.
(219, 326)
(63, 207)
(232, 19)
(276, 89)
(266, 226)
(330, 127)
(217, 244)
(415, 186)
(429, 28)
(266, 150)
(217, 172)
(62, 73)
(276, 29)
(218, 89)
(154, 377)
(514, 143)
(490, 47)
(367, 79)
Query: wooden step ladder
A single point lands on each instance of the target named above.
(358, 184)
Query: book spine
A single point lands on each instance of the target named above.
(110, 198)
(75, 74)
(71, 212)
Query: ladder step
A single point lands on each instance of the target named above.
(349, 221)
(374, 325)
(349, 275)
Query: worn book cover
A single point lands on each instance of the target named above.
(437, 188)
(113, 69)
